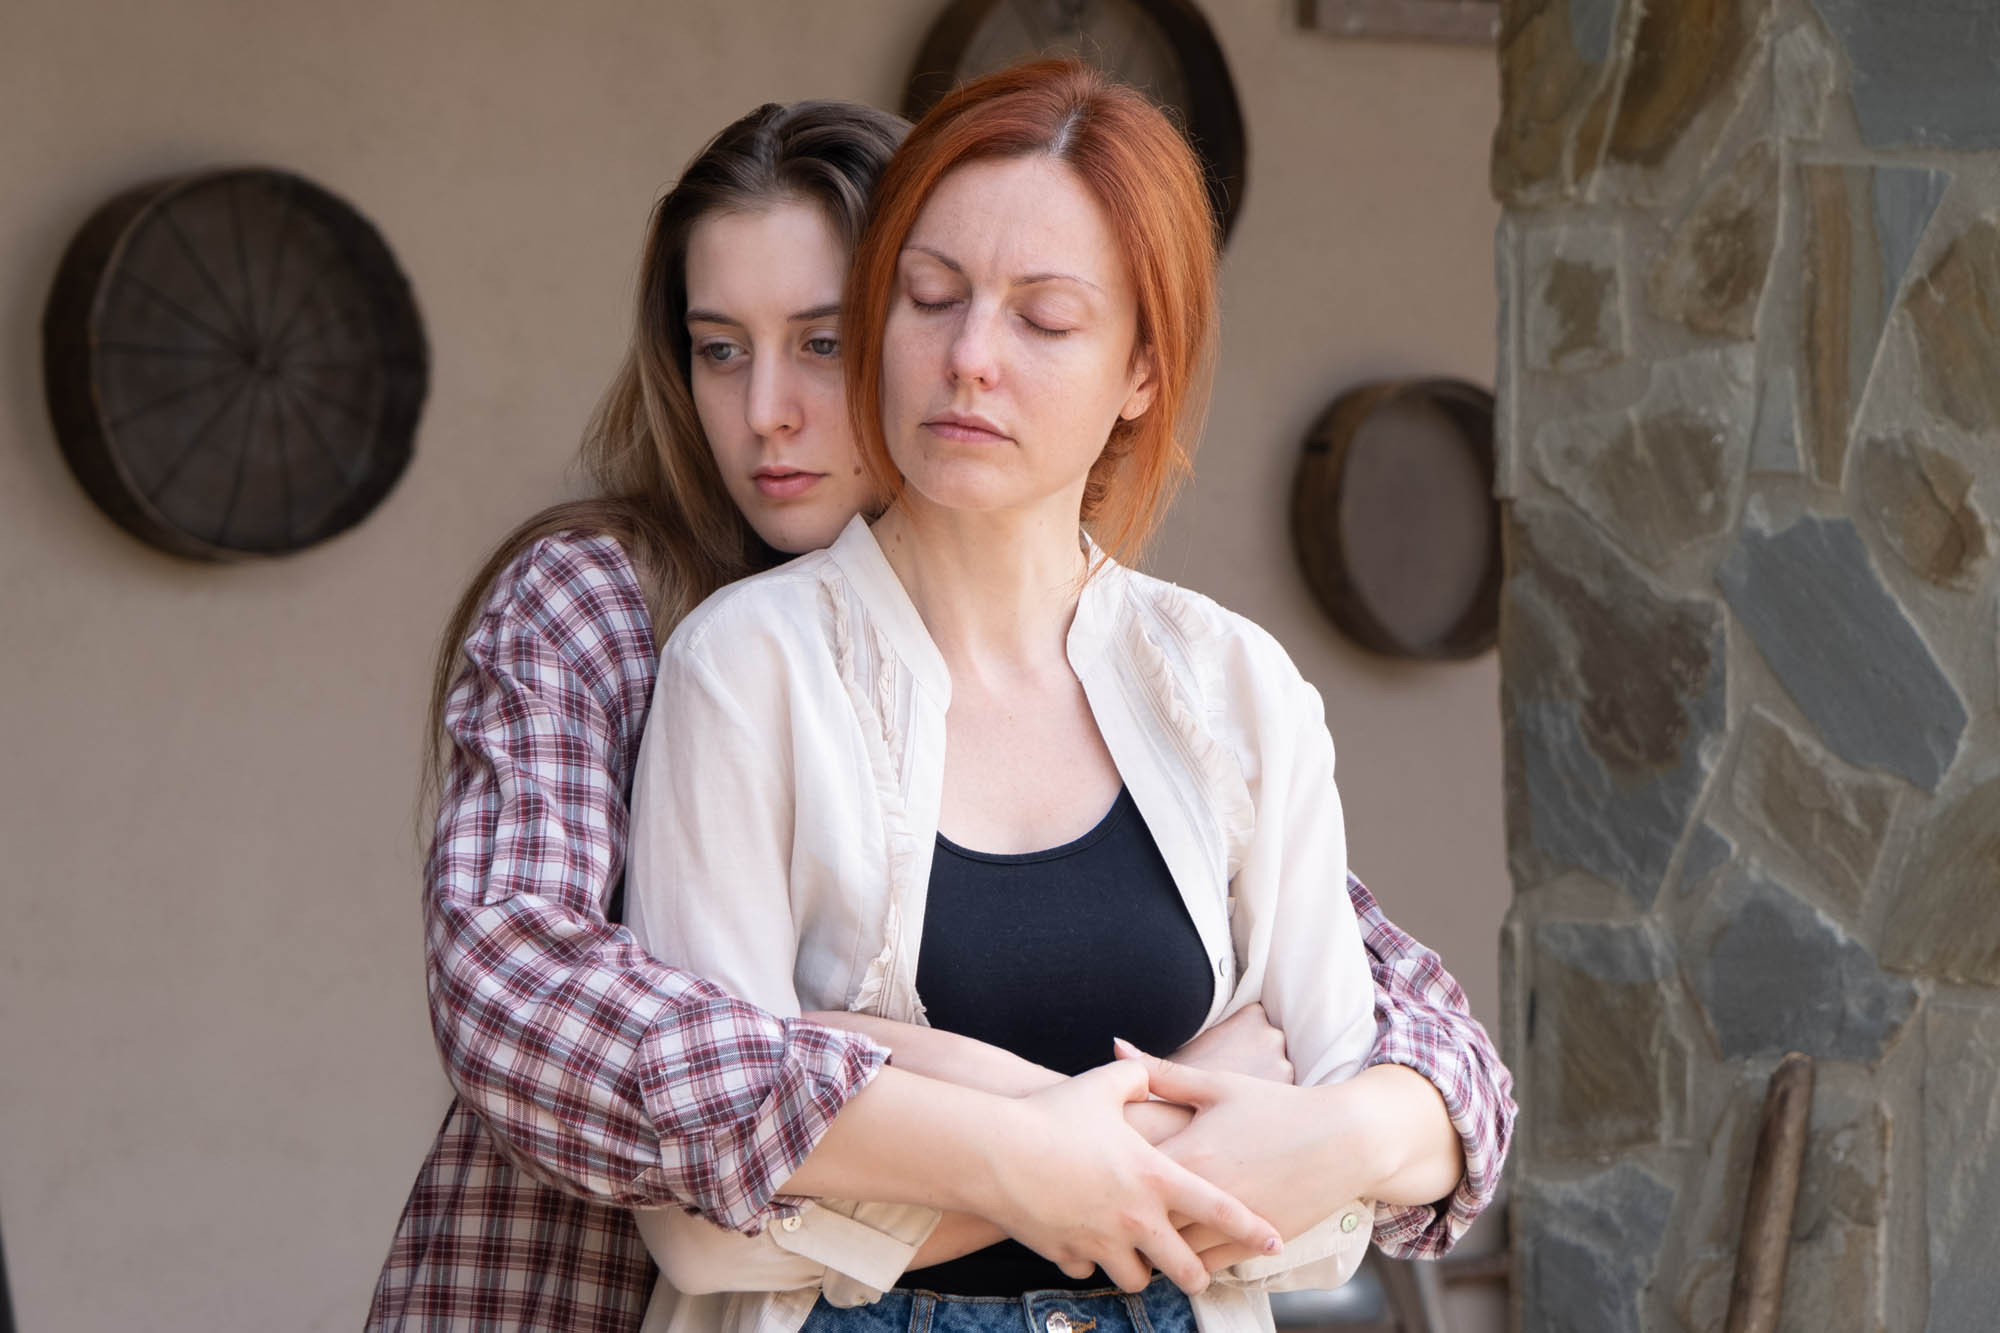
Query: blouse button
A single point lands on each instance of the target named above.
(1222, 966)
(1349, 1222)
(791, 1223)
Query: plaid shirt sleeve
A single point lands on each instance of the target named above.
(1423, 1023)
(595, 1068)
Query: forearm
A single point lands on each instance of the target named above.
(957, 1235)
(1394, 1119)
(906, 1138)
(971, 1063)
(947, 1056)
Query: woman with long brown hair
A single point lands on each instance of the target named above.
(963, 769)
(593, 1080)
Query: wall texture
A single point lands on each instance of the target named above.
(1750, 267)
(216, 1079)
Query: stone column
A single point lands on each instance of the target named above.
(1749, 407)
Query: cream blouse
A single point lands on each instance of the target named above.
(784, 813)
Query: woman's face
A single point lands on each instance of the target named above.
(763, 322)
(1009, 349)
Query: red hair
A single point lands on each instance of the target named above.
(1143, 174)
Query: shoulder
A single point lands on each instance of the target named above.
(572, 599)
(1214, 644)
(571, 579)
(779, 607)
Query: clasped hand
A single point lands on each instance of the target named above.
(1098, 1195)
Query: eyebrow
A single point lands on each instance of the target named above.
(1027, 280)
(816, 312)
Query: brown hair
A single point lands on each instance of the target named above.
(657, 491)
(1144, 175)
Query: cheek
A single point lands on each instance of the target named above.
(718, 410)
(907, 352)
(827, 409)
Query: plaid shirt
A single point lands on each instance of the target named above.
(591, 1079)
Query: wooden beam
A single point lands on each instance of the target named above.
(1473, 22)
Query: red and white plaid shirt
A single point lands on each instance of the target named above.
(592, 1080)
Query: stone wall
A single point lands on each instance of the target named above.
(1750, 418)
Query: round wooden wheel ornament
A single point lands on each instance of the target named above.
(234, 363)
(1394, 521)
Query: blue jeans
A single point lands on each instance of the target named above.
(1160, 1308)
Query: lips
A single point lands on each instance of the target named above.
(784, 483)
(966, 428)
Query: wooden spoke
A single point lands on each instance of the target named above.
(195, 441)
(179, 394)
(239, 329)
(181, 312)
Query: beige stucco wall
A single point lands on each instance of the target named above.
(215, 1075)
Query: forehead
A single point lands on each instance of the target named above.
(782, 258)
(1012, 217)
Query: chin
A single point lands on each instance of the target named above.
(798, 534)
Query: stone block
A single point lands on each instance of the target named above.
(1921, 503)
(1832, 818)
(1955, 313)
(1845, 1182)
(1833, 1283)
(1803, 74)
(1575, 319)
(1507, 367)
(1558, 67)
(1862, 225)
(1684, 57)
(1707, 852)
(1945, 921)
(1666, 473)
(1589, 1249)
(1774, 445)
(1712, 273)
(1923, 70)
(1775, 974)
(1962, 1165)
(1613, 693)
(1843, 649)
(1604, 1054)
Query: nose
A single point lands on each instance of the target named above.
(973, 348)
(773, 405)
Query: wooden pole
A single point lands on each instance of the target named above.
(1758, 1291)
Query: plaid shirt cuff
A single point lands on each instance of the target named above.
(741, 1099)
(1426, 1025)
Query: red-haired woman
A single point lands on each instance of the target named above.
(966, 754)
(592, 1079)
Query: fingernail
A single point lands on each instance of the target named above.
(1124, 1047)
(1273, 1245)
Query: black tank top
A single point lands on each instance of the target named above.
(1050, 955)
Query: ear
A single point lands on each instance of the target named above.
(1144, 386)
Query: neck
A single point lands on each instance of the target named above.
(989, 587)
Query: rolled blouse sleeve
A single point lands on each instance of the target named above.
(598, 1069)
(710, 891)
(1302, 945)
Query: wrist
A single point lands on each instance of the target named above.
(988, 1187)
(1410, 1152)
(1359, 1143)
